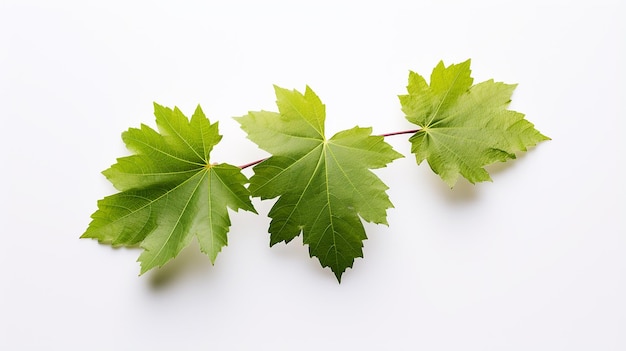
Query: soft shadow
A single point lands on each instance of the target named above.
(464, 191)
(190, 261)
(295, 253)
(292, 250)
(500, 167)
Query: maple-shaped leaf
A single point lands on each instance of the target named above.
(170, 192)
(464, 127)
(323, 185)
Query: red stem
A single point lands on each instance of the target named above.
(400, 133)
(382, 135)
(252, 163)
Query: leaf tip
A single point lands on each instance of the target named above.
(279, 90)
(86, 235)
(142, 270)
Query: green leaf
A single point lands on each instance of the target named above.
(464, 127)
(323, 185)
(170, 192)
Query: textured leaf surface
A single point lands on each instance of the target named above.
(323, 185)
(464, 127)
(170, 192)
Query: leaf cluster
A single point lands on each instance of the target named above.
(171, 193)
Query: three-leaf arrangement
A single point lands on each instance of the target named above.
(170, 192)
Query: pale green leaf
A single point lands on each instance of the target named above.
(464, 127)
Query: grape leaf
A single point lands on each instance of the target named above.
(170, 192)
(464, 127)
(323, 185)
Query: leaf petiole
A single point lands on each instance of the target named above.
(253, 163)
(400, 133)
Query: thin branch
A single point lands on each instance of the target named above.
(382, 135)
(399, 133)
(252, 163)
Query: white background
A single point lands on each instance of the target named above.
(533, 261)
